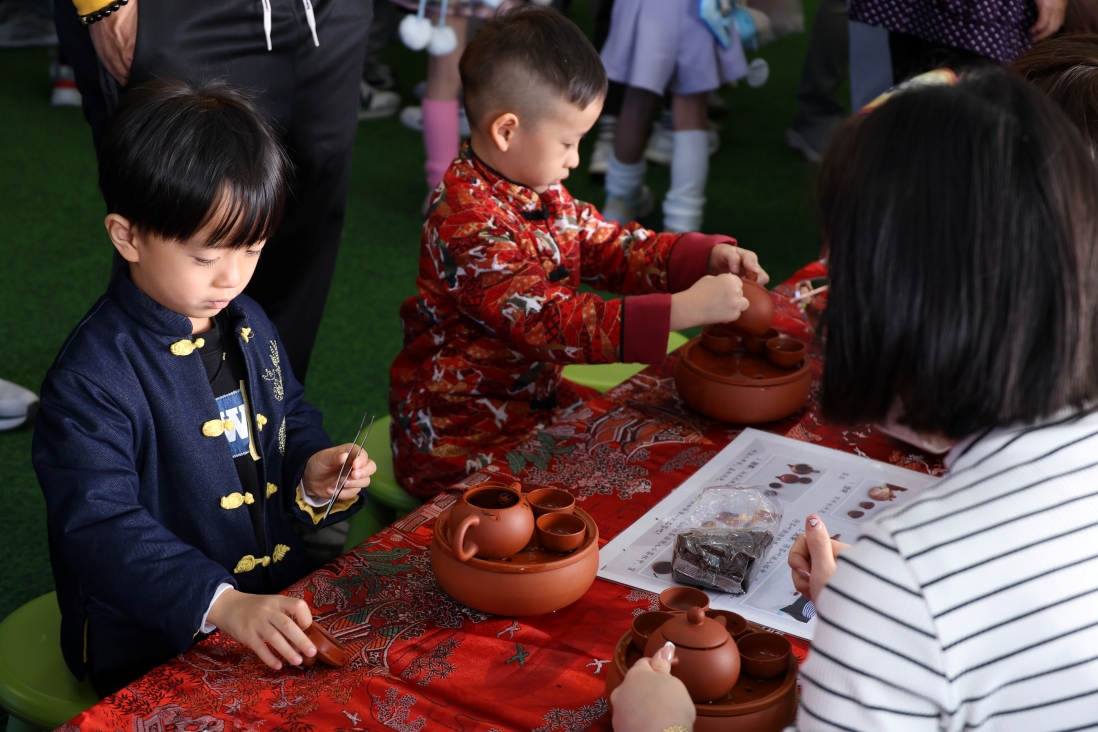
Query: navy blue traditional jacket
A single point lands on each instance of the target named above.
(145, 506)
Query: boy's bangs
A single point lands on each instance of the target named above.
(245, 217)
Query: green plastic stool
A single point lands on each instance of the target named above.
(36, 687)
(603, 377)
(384, 487)
(370, 519)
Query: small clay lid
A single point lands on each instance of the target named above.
(694, 630)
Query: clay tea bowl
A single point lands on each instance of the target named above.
(764, 655)
(493, 520)
(757, 344)
(328, 649)
(785, 352)
(735, 623)
(550, 500)
(645, 624)
(561, 532)
(681, 599)
(720, 338)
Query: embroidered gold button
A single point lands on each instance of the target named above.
(246, 334)
(216, 427)
(271, 489)
(279, 552)
(260, 420)
(247, 563)
(185, 347)
(235, 500)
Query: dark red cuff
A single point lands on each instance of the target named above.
(689, 260)
(645, 326)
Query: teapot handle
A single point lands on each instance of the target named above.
(458, 539)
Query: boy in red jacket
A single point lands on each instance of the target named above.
(505, 247)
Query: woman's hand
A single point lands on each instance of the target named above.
(1050, 18)
(114, 38)
(727, 258)
(319, 480)
(812, 558)
(259, 620)
(650, 699)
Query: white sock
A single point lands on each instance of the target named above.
(685, 202)
(625, 181)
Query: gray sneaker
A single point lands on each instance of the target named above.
(21, 28)
(796, 141)
(17, 405)
(375, 103)
(625, 211)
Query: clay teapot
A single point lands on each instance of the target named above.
(759, 315)
(706, 659)
(493, 521)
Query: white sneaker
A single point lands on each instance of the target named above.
(624, 211)
(796, 141)
(22, 28)
(412, 118)
(603, 148)
(65, 93)
(375, 103)
(17, 405)
(661, 143)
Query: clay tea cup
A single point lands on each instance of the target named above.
(757, 344)
(764, 655)
(759, 315)
(734, 623)
(493, 520)
(550, 500)
(681, 599)
(719, 338)
(785, 352)
(328, 649)
(645, 624)
(561, 532)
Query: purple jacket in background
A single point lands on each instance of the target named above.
(997, 29)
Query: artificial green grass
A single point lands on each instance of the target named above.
(57, 257)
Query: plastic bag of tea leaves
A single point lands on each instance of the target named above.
(732, 529)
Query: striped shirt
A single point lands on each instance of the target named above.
(974, 606)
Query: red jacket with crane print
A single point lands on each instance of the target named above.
(500, 313)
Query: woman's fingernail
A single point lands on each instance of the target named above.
(667, 652)
(804, 574)
(813, 522)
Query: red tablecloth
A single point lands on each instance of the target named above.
(420, 660)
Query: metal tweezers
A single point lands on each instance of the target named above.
(349, 463)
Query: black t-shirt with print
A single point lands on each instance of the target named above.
(227, 373)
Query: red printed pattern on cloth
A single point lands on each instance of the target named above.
(498, 315)
(421, 661)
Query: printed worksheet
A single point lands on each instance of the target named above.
(846, 490)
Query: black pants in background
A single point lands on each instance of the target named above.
(309, 93)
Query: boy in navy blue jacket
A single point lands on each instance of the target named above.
(173, 443)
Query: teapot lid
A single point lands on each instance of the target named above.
(695, 630)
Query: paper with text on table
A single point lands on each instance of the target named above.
(845, 490)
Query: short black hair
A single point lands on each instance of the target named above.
(963, 260)
(1066, 69)
(538, 43)
(173, 153)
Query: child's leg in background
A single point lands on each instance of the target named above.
(685, 201)
(625, 191)
(440, 107)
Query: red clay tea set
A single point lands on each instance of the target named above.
(739, 676)
(506, 552)
(745, 372)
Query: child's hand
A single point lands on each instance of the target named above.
(727, 258)
(712, 299)
(259, 620)
(650, 698)
(323, 468)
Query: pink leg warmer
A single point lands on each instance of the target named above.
(440, 137)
